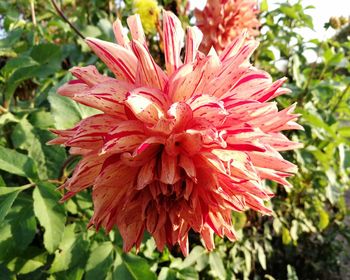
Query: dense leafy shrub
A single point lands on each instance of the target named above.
(40, 238)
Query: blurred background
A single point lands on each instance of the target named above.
(307, 237)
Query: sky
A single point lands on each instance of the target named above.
(324, 9)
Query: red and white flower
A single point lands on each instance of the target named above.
(176, 149)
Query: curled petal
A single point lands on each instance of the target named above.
(173, 35)
(119, 60)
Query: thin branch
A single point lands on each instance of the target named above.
(62, 15)
(340, 99)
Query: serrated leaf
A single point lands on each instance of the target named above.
(24, 137)
(128, 266)
(7, 197)
(55, 156)
(17, 163)
(18, 229)
(217, 266)
(100, 260)
(50, 214)
(72, 253)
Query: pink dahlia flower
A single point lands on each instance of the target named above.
(178, 149)
(221, 21)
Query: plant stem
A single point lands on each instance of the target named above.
(340, 99)
(62, 15)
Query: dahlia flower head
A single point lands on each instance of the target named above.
(222, 21)
(178, 149)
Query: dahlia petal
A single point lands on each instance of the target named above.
(192, 78)
(90, 132)
(193, 39)
(278, 121)
(109, 193)
(208, 107)
(119, 60)
(274, 175)
(136, 29)
(148, 72)
(144, 152)
(63, 136)
(233, 47)
(225, 78)
(147, 104)
(119, 35)
(89, 75)
(127, 136)
(108, 97)
(257, 204)
(272, 160)
(208, 238)
(169, 173)
(72, 87)
(146, 174)
(182, 113)
(173, 35)
(270, 92)
(280, 142)
(85, 173)
(187, 164)
(249, 84)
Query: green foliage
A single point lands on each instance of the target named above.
(43, 239)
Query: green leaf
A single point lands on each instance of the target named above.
(50, 214)
(324, 219)
(286, 238)
(100, 261)
(24, 137)
(2, 182)
(291, 273)
(17, 163)
(188, 273)
(16, 63)
(28, 261)
(5, 273)
(128, 266)
(289, 11)
(7, 197)
(196, 253)
(296, 70)
(217, 266)
(167, 274)
(264, 6)
(18, 229)
(55, 155)
(261, 256)
(66, 112)
(72, 253)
